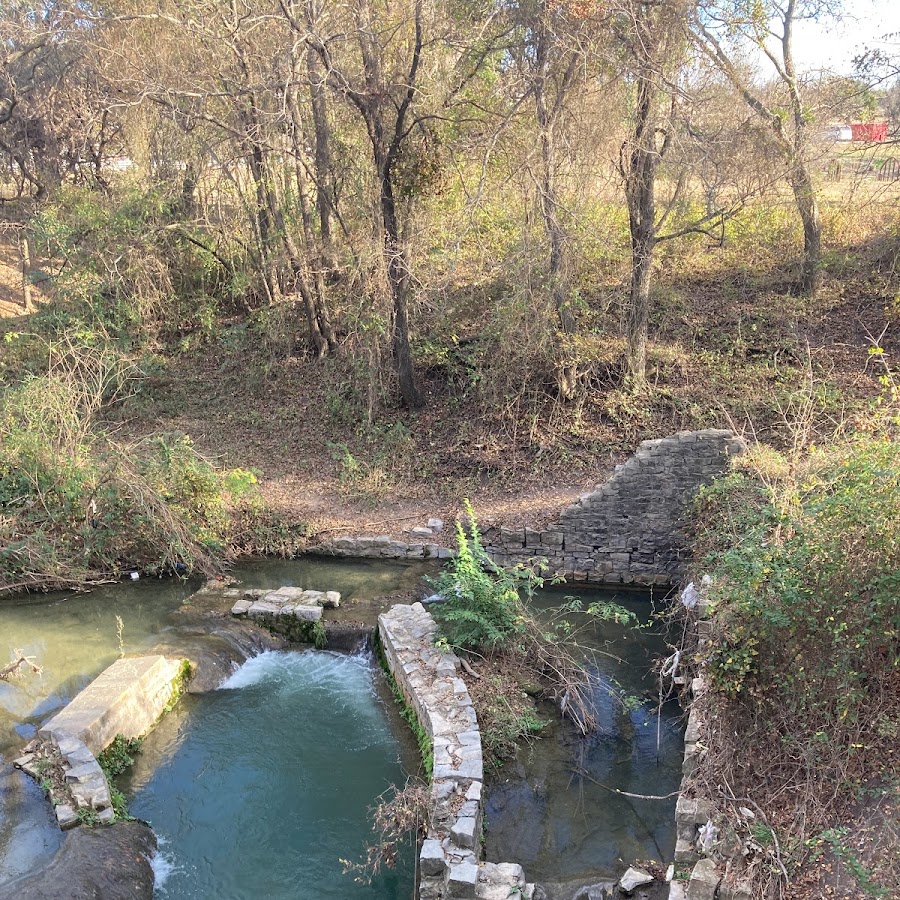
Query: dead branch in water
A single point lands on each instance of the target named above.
(583, 774)
(20, 661)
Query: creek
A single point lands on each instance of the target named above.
(548, 812)
(266, 782)
(258, 789)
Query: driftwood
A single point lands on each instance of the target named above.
(468, 668)
(584, 774)
(20, 661)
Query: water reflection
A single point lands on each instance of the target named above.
(549, 812)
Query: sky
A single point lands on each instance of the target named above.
(833, 45)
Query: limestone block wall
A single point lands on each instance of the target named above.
(712, 854)
(628, 530)
(127, 698)
(429, 681)
(382, 546)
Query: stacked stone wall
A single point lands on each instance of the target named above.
(630, 529)
(127, 699)
(708, 853)
(429, 681)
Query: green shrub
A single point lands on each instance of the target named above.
(77, 507)
(123, 261)
(119, 755)
(804, 555)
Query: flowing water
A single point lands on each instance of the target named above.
(259, 787)
(75, 636)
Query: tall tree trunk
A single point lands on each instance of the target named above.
(322, 134)
(398, 281)
(27, 294)
(319, 304)
(558, 268)
(799, 175)
(321, 334)
(640, 192)
(638, 313)
(808, 208)
(322, 139)
(262, 208)
(318, 340)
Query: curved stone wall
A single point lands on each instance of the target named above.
(629, 529)
(429, 681)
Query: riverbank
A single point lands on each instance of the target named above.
(794, 629)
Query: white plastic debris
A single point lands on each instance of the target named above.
(690, 597)
(708, 835)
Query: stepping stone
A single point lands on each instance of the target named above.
(66, 816)
(263, 608)
(308, 613)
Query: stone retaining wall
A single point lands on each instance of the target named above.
(127, 698)
(429, 681)
(383, 546)
(708, 850)
(628, 530)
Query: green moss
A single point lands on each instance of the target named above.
(114, 760)
(297, 631)
(407, 713)
(179, 685)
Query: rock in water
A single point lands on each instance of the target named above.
(633, 879)
(111, 863)
(603, 890)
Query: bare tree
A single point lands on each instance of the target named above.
(376, 62)
(649, 35)
(719, 28)
(556, 63)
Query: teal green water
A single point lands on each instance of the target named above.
(267, 783)
(258, 789)
(75, 636)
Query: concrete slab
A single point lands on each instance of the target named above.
(127, 698)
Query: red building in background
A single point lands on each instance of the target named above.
(872, 132)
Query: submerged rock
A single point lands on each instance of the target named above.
(603, 890)
(111, 863)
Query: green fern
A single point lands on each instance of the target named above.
(482, 606)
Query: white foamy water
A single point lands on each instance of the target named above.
(286, 667)
(163, 866)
